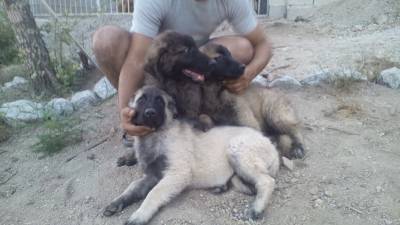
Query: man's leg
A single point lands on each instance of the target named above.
(240, 48)
(110, 46)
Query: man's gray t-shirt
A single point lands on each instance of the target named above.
(196, 18)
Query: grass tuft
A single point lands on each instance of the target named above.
(58, 134)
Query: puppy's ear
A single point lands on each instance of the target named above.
(155, 51)
(223, 51)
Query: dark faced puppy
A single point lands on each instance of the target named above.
(175, 65)
(175, 56)
(224, 65)
(150, 108)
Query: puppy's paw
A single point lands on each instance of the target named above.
(254, 214)
(202, 126)
(133, 223)
(136, 219)
(204, 123)
(219, 190)
(121, 161)
(113, 208)
(127, 160)
(298, 152)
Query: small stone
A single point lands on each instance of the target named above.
(328, 193)
(17, 81)
(301, 19)
(357, 28)
(88, 199)
(314, 190)
(22, 110)
(60, 107)
(261, 80)
(285, 82)
(390, 78)
(104, 88)
(379, 189)
(84, 99)
(382, 19)
(30, 202)
(387, 221)
(317, 203)
(294, 180)
(91, 156)
(288, 163)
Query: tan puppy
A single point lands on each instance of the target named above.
(177, 156)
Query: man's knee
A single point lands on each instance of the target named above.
(109, 39)
(244, 50)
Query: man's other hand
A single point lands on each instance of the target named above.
(238, 86)
(131, 129)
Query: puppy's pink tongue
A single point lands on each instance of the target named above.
(195, 76)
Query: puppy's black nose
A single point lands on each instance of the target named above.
(242, 67)
(149, 113)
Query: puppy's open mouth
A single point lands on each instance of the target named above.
(198, 77)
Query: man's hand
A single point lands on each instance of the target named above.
(126, 123)
(238, 86)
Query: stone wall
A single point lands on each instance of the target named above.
(292, 8)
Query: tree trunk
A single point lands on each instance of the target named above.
(36, 55)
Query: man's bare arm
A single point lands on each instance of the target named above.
(262, 52)
(131, 75)
(261, 56)
(130, 80)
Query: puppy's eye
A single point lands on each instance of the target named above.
(142, 99)
(159, 100)
(219, 58)
(183, 51)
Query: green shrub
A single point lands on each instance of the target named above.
(9, 51)
(58, 134)
(60, 43)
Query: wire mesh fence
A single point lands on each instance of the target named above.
(82, 7)
(109, 7)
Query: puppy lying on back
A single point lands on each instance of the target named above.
(177, 157)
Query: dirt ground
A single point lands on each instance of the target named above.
(351, 174)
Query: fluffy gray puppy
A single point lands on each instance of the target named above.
(177, 157)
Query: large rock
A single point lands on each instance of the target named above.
(22, 110)
(285, 82)
(390, 78)
(16, 82)
(104, 89)
(60, 107)
(330, 76)
(84, 99)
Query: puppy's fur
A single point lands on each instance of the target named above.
(175, 64)
(267, 110)
(263, 109)
(176, 157)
